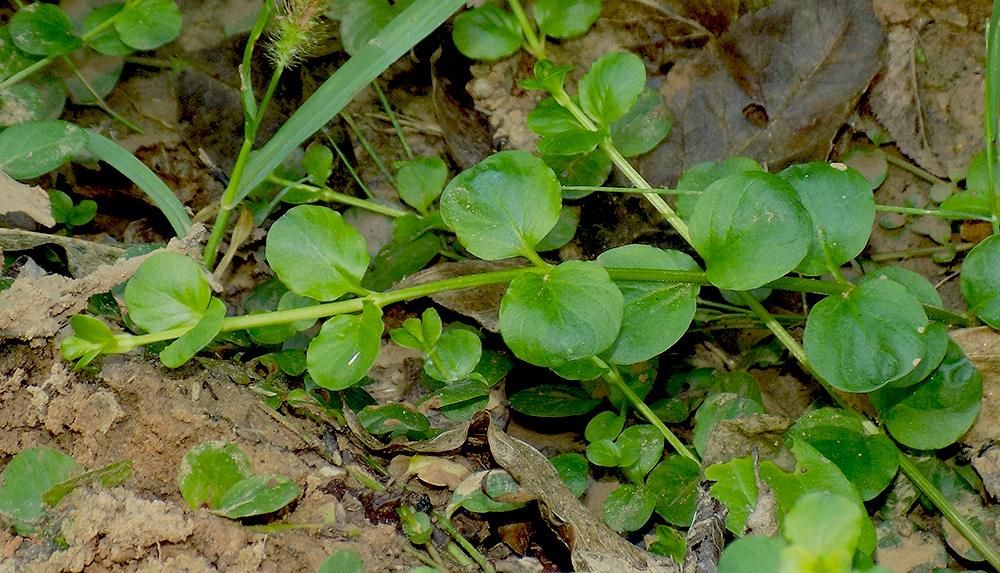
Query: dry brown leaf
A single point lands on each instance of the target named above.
(800, 67)
(32, 200)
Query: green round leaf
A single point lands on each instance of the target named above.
(91, 337)
(572, 468)
(572, 312)
(562, 233)
(750, 229)
(699, 176)
(590, 169)
(842, 208)
(392, 419)
(938, 411)
(604, 453)
(752, 554)
(209, 470)
(937, 339)
(420, 181)
(257, 495)
(188, 344)
(649, 443)
(149, 24)
(28, 475)
(318, 162)
(343, 561)
(167, 291)
(609, 89)
(675, 482)
(915, 283)
(345, 348)
(606, 425)
(656, 314)
(362, 20)
(486, 33)
(980, 280)
(43, 29)
(644, 126)
(107, 42)
(826, 524)
(553, 401)
(316, 254)
(503, 206)
(868, 460)
(871, 336)
(629, 507)
(472, 493)
(565, 18)
(455, 356)
(32, 149)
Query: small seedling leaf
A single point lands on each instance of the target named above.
(486, 33)
(750, 229)
(868, 338)
(420, 181)
(610, 88)
(28, 150)
(345, 348)
(148, 25)
(109, 476)
(938, 411)
(343, 561)
(92, 337)
(257, 495)
(318, 162)
(842, 208)
(189, 343)
(656, 314)
(605, 425)
(644, 126)
(316, 254)
(649, 443)
(28, 475)
(43, 29)
(503, 206)
(565, 18)
(675, 481)
(980, 280)
(553, 401)
(572, 312)
(629, 507)
(209, 470)
(167, 291)
(454, 357)
(605, 453)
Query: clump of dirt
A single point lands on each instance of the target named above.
(134, 409)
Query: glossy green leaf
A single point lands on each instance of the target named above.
(345, 348)
(590, 169)
(572, 312)
(750, 229)
(167, 291)
(918, 286)
(937, 340)
(565, 18)
(967, 205)
(188, 344)
(656, 314)
(722, 406)
(66, 213)
(571, 142)
(675, 482)
(752, 554)
(824, 529)
(257, 495)
(548, 77)
(980, 279)
(149, 24)
(548, 117)
(209, 470)
(866, 457)
(108, 41)
(610, 88)
(699, 176)
(28, 475)
(605, 425)
(939, 410)
(28, 150)
(503, 206)
(553, 401)
(343, 561)
(649, 442)
(420, 181)
(403, 256)
(572, 468)
(91, 338)
(871, 336)
(605, 453)
(562, 233)
(392, 419)
(486, 33)
(43, 29)
(431, 327)
(842, 208)
(629, 507)
(455, 356)
(316, 254)
(644, 126)
(318, 163)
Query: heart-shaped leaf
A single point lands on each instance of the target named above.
(629, 507)
(981, 280)
(209, 470)
(644, 126)
(750, 229)
(609, 89)
(871, 336)
(486, 33)
(455, 356)
(167, 291)
(572, 312)
(503, 206)
(675, 481)
(656, 314)
(565, 18)
(316, 254)
(149, 24)
(420, 181)
(345, 348)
